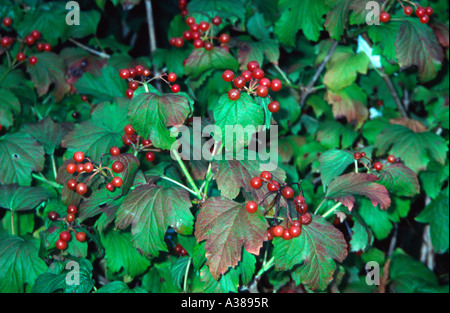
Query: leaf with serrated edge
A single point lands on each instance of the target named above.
(400, 179)
(17, 198)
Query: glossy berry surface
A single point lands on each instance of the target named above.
(32, 60)
(53, 216)
(115, 151)
(408, 10)
(265, 175)
(251, 207)
(306, 219)
(80, 236)
(117, 181)
(391, 159)
(234, 94)
(256, 182)
(274, 107)
(65, 235)
(150, 156)
(273, 186)
(61, 244)
(277, 231)
(81, 188)
(378, 166)
(385, 17)
(228, 75)
(117, 167)
(287, 192)
(78, 156)
(72, 209)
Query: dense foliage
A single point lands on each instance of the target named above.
(93, 173)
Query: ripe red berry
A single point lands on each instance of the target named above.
(7, 21)
(258, 73)
(84, 98)
(228, 75)
(72, 184)
(217, 20)
(53, 216)
(194, 27)
(234, 94)
(299, 199)
(128, 130)
(61, 244)
(274, 106)
(198, 43)
(80, 168)
(429, 11)
(384, 17)
(239, 82)
(47, 47)
(256, 182)
(190, 20)
(133, 85)
(252, 65)
(124, 73)
(424, 19)
(36, 34)
(88, 167)
(187, 35)
(265, 82)
(286, 235)
(277, 231)
(64, 235)
(208, 46)
(306, 218)
(287, 192)
(357, 155)
(391, 159)
(115, 151)
(265, 175)
(78, 156)
(183, 252)
(408, 10)
(302, 208)
(150, 156)
(295, 231)
(132, 71)
(224, 38)
(40, 46)
(269, 235)
(262, 91)
(363, 154)
(80, 236)
(204, 26)
(275, 85)
(81, 188)
(70, 217)
(179, 42)
(175, 88)
(139, 69)
(273, 186)
(33, 60)
(247, 75)
(71, 168)
(251, 207)
(146, 142)
(110, 187)
(172, 77)
(117, 181)
(182, 4)
(146, 72)
(29, 40)
(129, 93)
(117, 167)
(297, 223)
(378, 166)
(20, 56)
(420, 11)
(178, 248)
(196, 35)
(71, 209)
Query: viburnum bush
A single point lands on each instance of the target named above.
(106, 125)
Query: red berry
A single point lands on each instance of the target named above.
(80, 168)
(6, 41)
(204, 26)
(295, 231)
(208, 46)
(299, 199)
(182, 4)
(47, 47)
(274, 107)
(286, 235)
(132, 71)
(175, 88)
(275, 85)
(302, 208)
(183, 252)
(287, 192)
(81, 188)
(196, 35)
(224, 38)
(146, 142)
(172, 77)
(110, 187)
(81, 237)
(269, 235)
(187, 35)
(357, 155)
(178, 248)
(198, 43)
(408, 10)
(117, 167)
(20, 56)
(190, 20)
(391, 159)
(306, 218)
(61, 244)
(124, 73)
(277, 231)
(265, 175)
(84, 98)
(239, 82)
(252, 65)
(71, 168)
(420, 11)
(33, 60)
(179, 42)
(139, 69)
(265, 82)
(29, 40)
(228, 75)
(256, 182)
(115, 151)
(40, 46)
(184, 12)
(128, 130)
(234, 94)
(36, 34)
(429, 11)
(424, 19)
(194, 27)
(126, 140)
(384, 17)
(117, 181)
(133, 85)
(150, 156)
(70, 217)
(273, 186)
(88, 167)
(297, 223)
(247, 75)
(78, 156)
(7, 21)
(71, 209)
(65, 236)
(378, 166)
(129, 93)
(262, 91)
(258, 73)
(53, 216)
(146, 72)
(72, 184)
(251, 207)
(217, 20)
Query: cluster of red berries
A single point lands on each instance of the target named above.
(422, 13)
(182, 6)
(180, 250)
(272, 185)
(201, 34)
(131, 138)
(89, 167)
(258, 84)
(64, 236)
(377, 165)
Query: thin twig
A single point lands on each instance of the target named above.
(152, 37)
(186, 275)
(103, 55)
(394, 93)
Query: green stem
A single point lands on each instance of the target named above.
(145, 87)
(356, 166)
(13, 231)
(317, 210)
(332, 209)
(55, 172)
(186, 173)
(209, 175)
(180, 184)
(186, 275)
(266, 267)
(45, 180)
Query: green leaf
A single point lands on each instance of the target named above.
(399, 140)
(88, 24)
(107, 86)
(433, 179)
(256, 26)
(227, 227)
(178, 270)
(159, 279)
(9, 106)
(332, 134)
(336, 17)
(20, 155)
(361, 237)
(417, 45)
(95, 136)
(378, 220)
(345, 186)
(17, 198)
(119, 287)
(150, 209)
(172, 59)
(256, 51)
(20, 264)
(400, 179)
(202, 60)
(224, 8)
(314, 251)
(436, 214)
(384, 38)
(120, 254)
(151, 114)
(332, 164)
(295, 15)
(229, 282)
(131, 166)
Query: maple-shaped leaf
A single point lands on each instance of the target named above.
(105, 87)
(332, 134)
(95, 136)
(415, 125)
(18, 198)
(20, 155)
(202, 60)
(152, 113)
(227, 227)
(150, 210)
(131, 166)
(350, 102)
(295, 15)
(415, 149)
(9, 106)
(345, 186)
(255, 51)
(235, 172)
(417, 45)
(20, 264)
(224, 8)
(47, 71)
(316, 250)
(48, 133)
(337, 17)
(384, 38)
(400, 179)
(333, 163)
